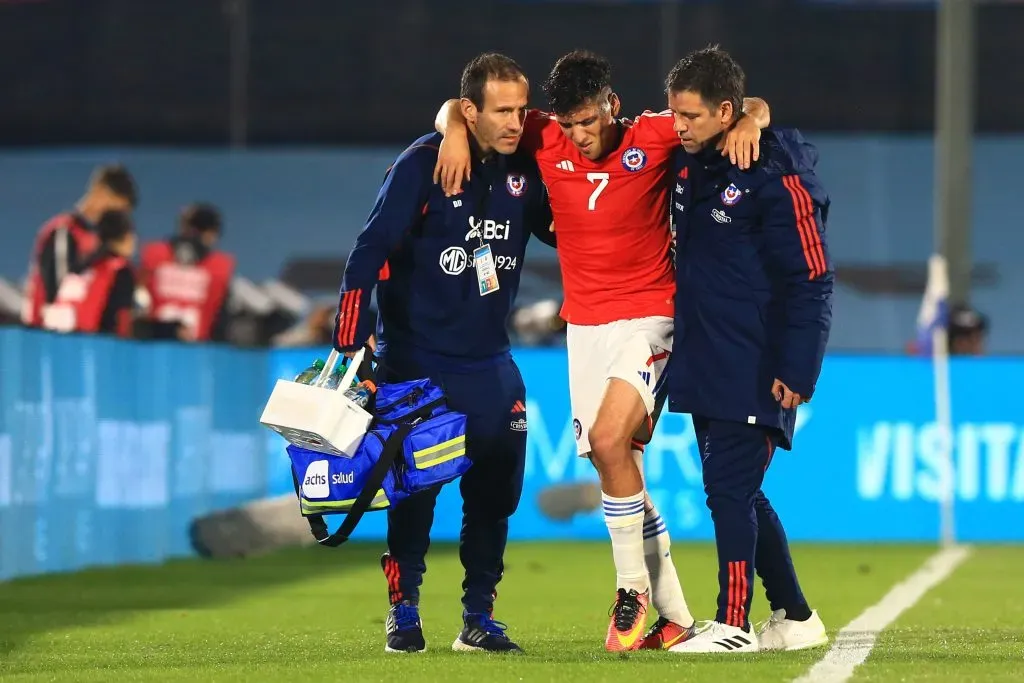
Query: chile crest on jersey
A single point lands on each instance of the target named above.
(634, 159)
(515, 184)
(731, 195)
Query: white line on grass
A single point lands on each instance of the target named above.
(854, 642)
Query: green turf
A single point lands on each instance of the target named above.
(969, 628)
(318, 614)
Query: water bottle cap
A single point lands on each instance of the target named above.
(318, 364)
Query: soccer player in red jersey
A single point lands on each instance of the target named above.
(609, 181)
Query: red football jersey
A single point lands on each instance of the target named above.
(189, 294)
(611, 218)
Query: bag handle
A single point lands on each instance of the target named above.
(317, 525)
(360, 365)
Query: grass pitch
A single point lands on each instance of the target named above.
(318, 614)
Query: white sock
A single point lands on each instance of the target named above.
(625, 520)
(666, 591)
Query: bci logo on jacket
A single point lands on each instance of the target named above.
(487, 229)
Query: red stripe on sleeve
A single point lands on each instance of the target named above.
(346, 318)
(803, 211)
(817, 249)
(352, 322)
(343, 306)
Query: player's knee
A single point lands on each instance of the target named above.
(609, 446)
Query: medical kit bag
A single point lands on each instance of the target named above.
(412, 442)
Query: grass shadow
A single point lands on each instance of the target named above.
(41, 604)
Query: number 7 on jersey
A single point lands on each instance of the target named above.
(603, 183)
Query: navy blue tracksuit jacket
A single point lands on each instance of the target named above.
(754, 283)
(419, 245)
(417, 249)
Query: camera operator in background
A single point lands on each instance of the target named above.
(968, 331)
(187, 279)
(69, 238)
(99, 295)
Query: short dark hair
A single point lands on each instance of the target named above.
(201, 217)
(576, 79)
(713, 74)
(118, 180)
(485, 67)
(114, 225)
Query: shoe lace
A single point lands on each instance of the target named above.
(626, 609)
(406, 616)
(489, 625)
(770, 621)
(658, 627)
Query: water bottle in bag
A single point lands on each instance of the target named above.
(334, 381)
(310, 374)
(361, 393)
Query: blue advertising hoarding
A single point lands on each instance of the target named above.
(866, 464)
(109, 450)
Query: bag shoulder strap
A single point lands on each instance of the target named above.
(317, 525)
(414, 416)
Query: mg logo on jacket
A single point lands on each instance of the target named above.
(453, 260)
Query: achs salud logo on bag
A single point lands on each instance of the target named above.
(314, 484)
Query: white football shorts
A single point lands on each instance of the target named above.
(636, 351)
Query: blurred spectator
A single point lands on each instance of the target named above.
(539, 324)
(186, 279)
(966, 334)
(99, 295)
(68, 238)
(968, 330)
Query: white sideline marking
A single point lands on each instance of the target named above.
(854, 642)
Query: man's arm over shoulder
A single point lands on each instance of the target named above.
(454, 162)
(794, 207)
(449, 119)
(657, 126)
(662, 123)
(400, 203)
(538, 128)
(758, 111)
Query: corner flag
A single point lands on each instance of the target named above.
(932, 326)
(933, 315)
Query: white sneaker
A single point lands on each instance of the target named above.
(714, 636)
(780, 633)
